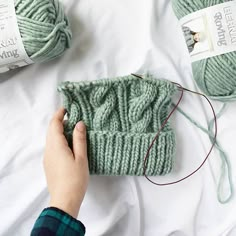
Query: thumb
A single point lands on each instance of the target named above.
(80, 143)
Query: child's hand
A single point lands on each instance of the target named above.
(66, 171)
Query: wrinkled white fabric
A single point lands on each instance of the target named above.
(113, 38)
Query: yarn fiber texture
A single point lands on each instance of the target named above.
(122, 116)
(215, 76)
(44, 28)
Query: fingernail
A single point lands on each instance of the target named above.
(80, 126)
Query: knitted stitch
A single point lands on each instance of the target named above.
(122, 116)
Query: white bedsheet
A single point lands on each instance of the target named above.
(114, 38)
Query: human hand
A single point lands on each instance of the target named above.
(66, 171)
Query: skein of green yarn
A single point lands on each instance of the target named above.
(44, 28)
(215, 76)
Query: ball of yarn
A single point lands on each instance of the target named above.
(215, 76)
(44, 28)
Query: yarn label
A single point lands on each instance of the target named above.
(12, 51)
(211, 31)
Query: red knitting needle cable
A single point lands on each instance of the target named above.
(182, 89)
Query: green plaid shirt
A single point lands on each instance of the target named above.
(53, 221)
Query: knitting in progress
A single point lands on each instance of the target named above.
(122, 116)
(44, 28)
(215, 76)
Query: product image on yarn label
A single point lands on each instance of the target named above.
(12, 52)
(211, 31)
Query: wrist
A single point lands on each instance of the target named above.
(68, 206)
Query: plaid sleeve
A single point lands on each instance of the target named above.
(53, 221)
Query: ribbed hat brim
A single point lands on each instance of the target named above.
(121, 153)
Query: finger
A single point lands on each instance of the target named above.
(56, 124)
(59, 115)
(80, 142)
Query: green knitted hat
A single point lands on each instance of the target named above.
(122, 116)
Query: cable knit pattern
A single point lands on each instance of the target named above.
(103, 101)
(122, 116)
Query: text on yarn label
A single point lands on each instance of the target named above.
(211, 31)
(12, 51)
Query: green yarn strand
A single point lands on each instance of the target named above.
(225, 164)
(44, 28)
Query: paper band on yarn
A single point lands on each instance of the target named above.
(12, 51)
(211, 31)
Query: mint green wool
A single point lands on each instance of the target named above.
(44, 28)
(215, 76)
(122, 116)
